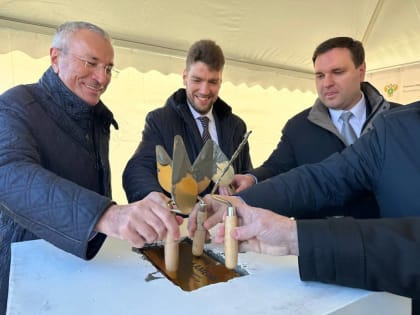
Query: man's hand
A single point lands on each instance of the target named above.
(263, 231)
(144, 221)
(239, 182)
(215, 212)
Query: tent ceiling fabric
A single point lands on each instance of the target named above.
(269, 43)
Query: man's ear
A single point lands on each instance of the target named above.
(54, 56)
(184, 76)
(362, 70)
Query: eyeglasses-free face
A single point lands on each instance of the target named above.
(86, 64)
(202, 85)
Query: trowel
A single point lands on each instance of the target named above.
(202, 170)
(224, 171)
(231, 245)
(164, 174)
(184, 188)
(164, 168)
(184, 182)
(184, 191)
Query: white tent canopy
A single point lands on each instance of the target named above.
(267, 43)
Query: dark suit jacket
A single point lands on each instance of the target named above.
(311, 137)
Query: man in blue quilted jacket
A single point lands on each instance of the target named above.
(54, 166)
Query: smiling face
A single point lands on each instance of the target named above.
(338, 79)
(202, 85)
(82, 65)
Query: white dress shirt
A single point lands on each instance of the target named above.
(212, 124)
(356, 121)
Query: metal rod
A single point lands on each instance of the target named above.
(234, 156)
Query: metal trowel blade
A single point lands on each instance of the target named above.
(184, 188)
(220, 164)
(202, 168)
(164, 168)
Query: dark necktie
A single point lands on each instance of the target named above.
(205, 123)
(347, 130)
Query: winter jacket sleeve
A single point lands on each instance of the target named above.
(329, 183)
(38, 200)
(372, 254)
(281, 160)
(140, 174)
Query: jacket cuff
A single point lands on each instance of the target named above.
(260, 173)
(331, 251)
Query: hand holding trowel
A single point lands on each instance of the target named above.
(224, 177)
(185, 182)
(183, 179)
(209, 165)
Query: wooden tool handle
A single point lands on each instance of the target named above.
(200, 234)
(171, 254)
(231, 245)
(171, 250)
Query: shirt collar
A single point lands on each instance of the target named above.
(196, 114)
(358, 110)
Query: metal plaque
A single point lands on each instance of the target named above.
(193, 272)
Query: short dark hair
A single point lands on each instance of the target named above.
(354, 46)
(208, 52)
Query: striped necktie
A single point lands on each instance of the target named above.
(205, 123)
